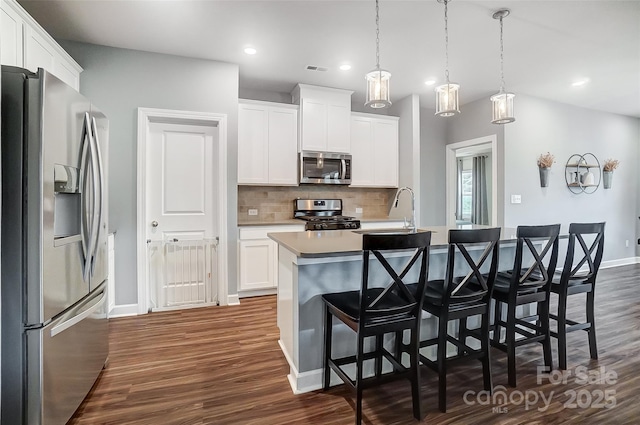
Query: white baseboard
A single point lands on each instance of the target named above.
(301, 382)
(257, 293)
(619, 262)
(233, 299)
(123, 310)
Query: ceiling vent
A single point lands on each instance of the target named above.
(316, 68)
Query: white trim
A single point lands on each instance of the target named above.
(451, 176)
(257, 292)
(123, 310)
(145, 116)
(619, 262)
(301, 382)
(233, 299)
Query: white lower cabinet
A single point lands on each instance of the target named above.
(258, 259)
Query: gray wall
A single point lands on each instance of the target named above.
(564, 130)
(432, 167)
(119, 81)
(474, 121)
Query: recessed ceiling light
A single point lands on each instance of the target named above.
(250, 50)
(345, 67)
(430, 82)
(579, 83)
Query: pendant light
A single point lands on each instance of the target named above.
(378, 95)
(502, 102)
(447, 94)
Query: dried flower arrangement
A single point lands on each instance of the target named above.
(610, 164)
(546, 160)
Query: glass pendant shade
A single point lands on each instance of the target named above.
(378, 94)
(502, 108)
(447, 100)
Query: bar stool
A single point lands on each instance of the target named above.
(523, 286)
(576, 280)
(464, 292)
(375, 311)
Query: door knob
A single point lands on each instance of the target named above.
(154, 223)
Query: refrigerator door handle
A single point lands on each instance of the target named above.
(84, 174)
(79, 317)
(99, 199)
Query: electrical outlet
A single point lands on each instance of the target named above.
(358, 210)
(253, 212)
(516, 199)
(626, 243)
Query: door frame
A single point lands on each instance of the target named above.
(219, 121)
(451, 168)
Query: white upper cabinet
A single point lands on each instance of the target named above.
(325, 118)
(267, 143)
(374, 150)
(26, 44)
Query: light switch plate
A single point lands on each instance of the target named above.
(358, 210)
(516, 199)
(253, 212)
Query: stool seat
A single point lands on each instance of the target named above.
(348, 303)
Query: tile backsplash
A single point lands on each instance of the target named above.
(275, 203)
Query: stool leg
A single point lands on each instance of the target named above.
(462, 334)
(328, 328)
(378, 359)
(562, 331)
(442, 362)
(359, 361)
(414, 358)
(486, 348)
(543, 320)
(511, 343)
(591, 318)
(496, 322)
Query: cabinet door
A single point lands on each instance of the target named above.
(283, 146)
(253, 144)
(313, 125)
(362, 167)
(385, 153)
(257, 259)
(338, 128)
(38, 53)
(11, 37)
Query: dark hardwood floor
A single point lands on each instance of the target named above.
(222, 365)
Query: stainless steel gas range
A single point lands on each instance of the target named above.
(323, 214)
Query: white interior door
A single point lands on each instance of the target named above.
(181, 221)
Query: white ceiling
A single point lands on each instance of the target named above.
(548, 44)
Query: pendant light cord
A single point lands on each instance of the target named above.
(446, 41)
(377, 36)
(501, 59)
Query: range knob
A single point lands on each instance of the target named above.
(324, 226)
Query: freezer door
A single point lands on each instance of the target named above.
(56, 199)
(65, 359)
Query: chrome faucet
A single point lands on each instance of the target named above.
(412, 224)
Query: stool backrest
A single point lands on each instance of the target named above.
(396, 300)
(581, 252)
(543, 265)
(474, 285)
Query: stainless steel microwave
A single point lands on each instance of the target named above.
(325, 168)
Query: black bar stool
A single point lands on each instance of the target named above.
(575, 279)
(375, 311)
(526, 285)
(464, 292)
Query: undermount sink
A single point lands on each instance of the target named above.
(398, 231)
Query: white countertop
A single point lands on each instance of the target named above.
(330, 243)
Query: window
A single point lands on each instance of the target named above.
(466, 194)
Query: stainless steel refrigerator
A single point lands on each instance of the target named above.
(54, 248)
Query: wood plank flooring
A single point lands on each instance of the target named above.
(222, 365)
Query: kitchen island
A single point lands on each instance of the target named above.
(314, 263)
